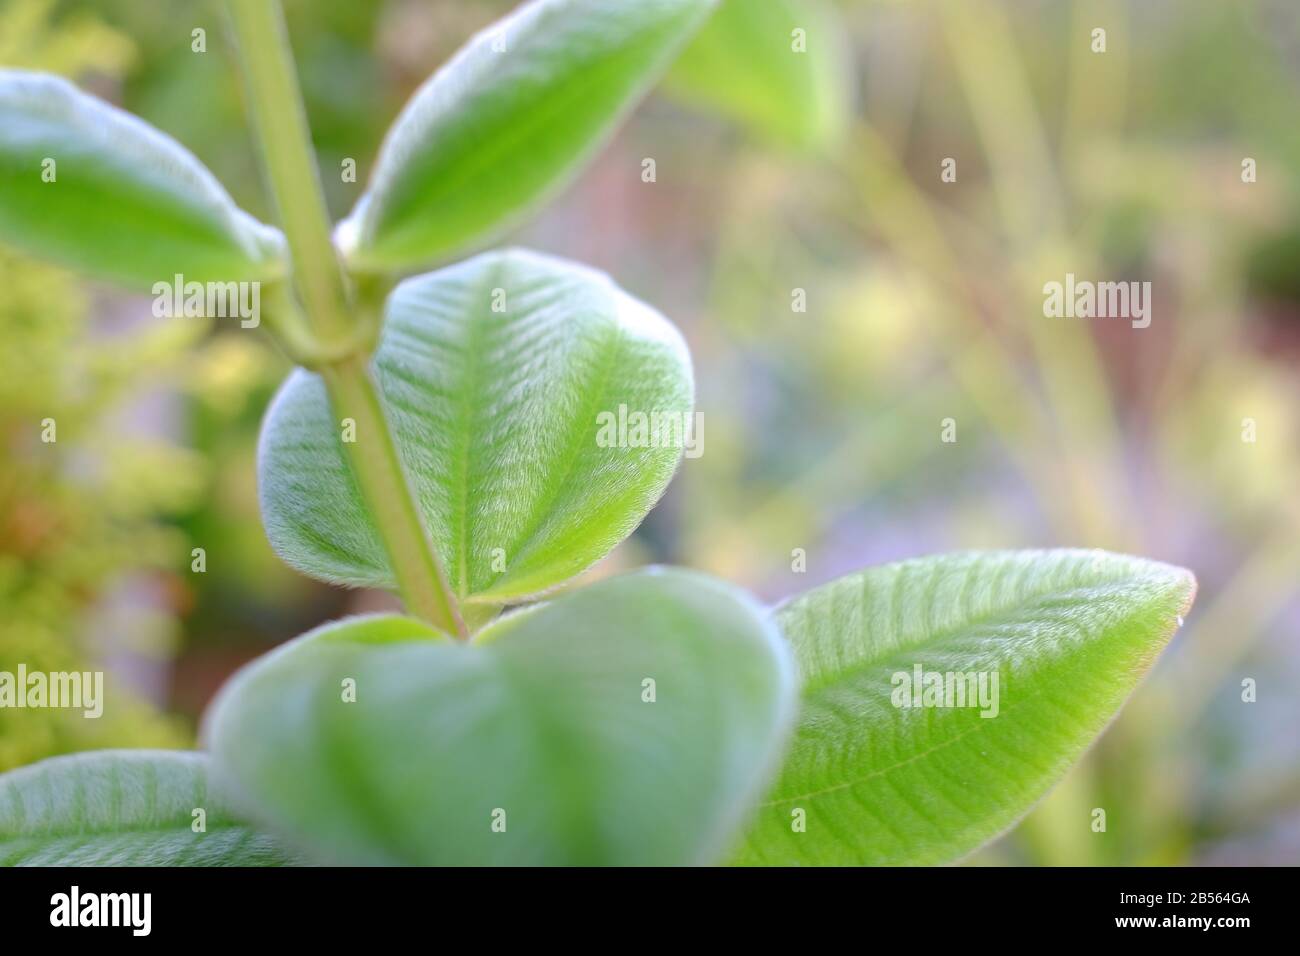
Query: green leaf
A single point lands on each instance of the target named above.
(747, 64)
(124, 808)
(507, 121)
(541, 724)
(123, 200)
(498, 416)
(1068, 633)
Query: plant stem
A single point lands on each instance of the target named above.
(333, 323)
(379, 472)
(290, 165)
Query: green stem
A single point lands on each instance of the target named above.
(332, 322)
(291, 166)
(379, 472)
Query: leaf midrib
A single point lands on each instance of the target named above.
(932, 637)
(469, 385)
(613, 341)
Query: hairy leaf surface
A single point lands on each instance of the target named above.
(1068, 633)
(500, 417)
(94, 188)
(124, 808)
(631, 722)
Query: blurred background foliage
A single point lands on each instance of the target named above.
(780, 177)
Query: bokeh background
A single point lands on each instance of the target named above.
(775, 179)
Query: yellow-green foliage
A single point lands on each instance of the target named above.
(78, 515)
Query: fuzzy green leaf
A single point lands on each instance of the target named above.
(751, 63)
(500, 419)
(507, 121)
(124, 808)
(542, 727)
(1068, 633)
(94, 188)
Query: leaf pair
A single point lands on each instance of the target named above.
(542, 718)
(501, 126)
(496, 130)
